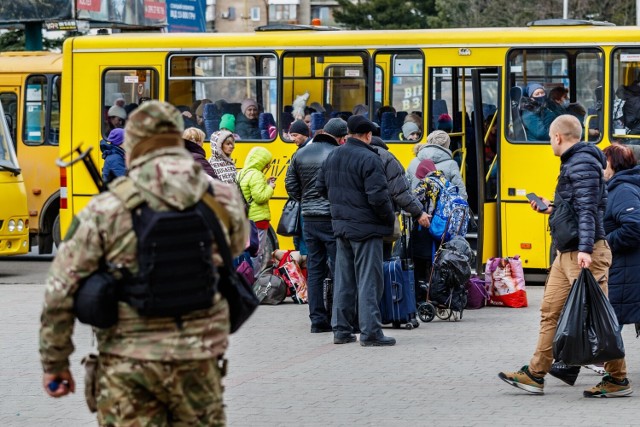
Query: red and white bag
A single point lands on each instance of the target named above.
(505, 280)
(289, 270)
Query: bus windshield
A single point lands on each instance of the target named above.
(8, 160)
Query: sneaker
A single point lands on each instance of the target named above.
(565, 373)
(344, 339)
(524, 380)
(610, 387)
(378, 342)
(598, 369)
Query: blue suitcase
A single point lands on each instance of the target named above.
(398, 304)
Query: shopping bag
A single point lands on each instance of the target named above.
(289, 224)
(588, 331)
(477, 294)
(505, 280)
(289, 270)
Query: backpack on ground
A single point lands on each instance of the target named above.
(270, 288)
(451, 215)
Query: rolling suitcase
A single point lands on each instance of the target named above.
(398, 303)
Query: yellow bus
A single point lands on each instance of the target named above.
(30, 94)
(14, 219)
(471, 82)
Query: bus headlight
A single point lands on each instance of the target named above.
(12, 225)
(20, 225)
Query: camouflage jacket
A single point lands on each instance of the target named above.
(166, 179)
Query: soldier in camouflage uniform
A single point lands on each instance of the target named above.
(150, 370)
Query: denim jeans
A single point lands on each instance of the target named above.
(359, 280)
(321, 258)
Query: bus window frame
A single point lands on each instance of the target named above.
(393, 53)
(572, 89)
(367, 64)
(222, 53)
(14, 117)
(155, 90)
(626, 138)
(44, 138)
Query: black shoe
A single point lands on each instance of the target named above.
(344, 339)
(378, 342)
(320, 329)
(565, 373)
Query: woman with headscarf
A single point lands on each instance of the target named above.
(534, 111)
(437, 150)
(222, 145)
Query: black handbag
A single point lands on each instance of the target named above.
(563, 224)
(289, 224)
(233, 286)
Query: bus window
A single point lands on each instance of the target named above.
(54, 123)
(10, 106)
(335, 85)
(122, 91)
(625, 83)
(546, 83)
(35, 110)
(206, 87)
(402, 84)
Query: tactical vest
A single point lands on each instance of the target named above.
(176, 272)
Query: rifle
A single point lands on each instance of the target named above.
(88, 163)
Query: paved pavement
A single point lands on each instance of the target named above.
(281, 375)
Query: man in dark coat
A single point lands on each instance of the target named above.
(581, 184)
(316, 225)
(399, 188)
(353, 180)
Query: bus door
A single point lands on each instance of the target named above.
(464, 103)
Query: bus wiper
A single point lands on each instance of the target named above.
(14, 170)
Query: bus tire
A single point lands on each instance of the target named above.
(55, 231)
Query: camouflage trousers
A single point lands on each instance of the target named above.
(134, 393)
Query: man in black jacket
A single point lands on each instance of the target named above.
(581, 184)
(353, 180)
(399, 189)
(317, 231)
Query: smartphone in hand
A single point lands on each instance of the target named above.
(539, 203)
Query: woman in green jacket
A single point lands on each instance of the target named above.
(257, 191)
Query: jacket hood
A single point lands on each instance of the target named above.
(194, 148)
(108, 149)
(258, 158)
(321, 137)
(586, 148)
(170, 175)
(631, 176)
(376, 141)
(435, 153)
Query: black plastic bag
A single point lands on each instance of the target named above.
(451, 271)
(588, 330)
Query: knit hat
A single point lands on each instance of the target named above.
(409, 128)
(228, 122)
(439, 137)
(150, 119)
(316, 106)
(445, 123)
(336, 127)
(117, 111)
(219, 137)
(425, 168)
(299, 126)
(116, 136)
(248, 103)
(359, 125)
(532, 87)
